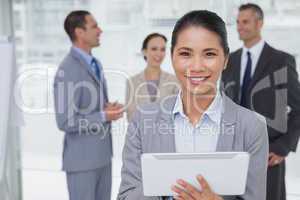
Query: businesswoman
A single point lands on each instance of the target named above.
(199, 119)
(153, 83)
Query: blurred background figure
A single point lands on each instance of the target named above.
(152, 83)
(85, 114)
(265, 80)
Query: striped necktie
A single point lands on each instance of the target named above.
(95, 67)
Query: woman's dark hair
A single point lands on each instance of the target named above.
(76, 19)
(203, 18)
(149, 37)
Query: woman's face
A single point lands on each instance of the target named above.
(155, 51)
(198, 60)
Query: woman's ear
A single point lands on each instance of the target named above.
(226, 62)
(144, 54)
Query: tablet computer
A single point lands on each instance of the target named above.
(225, 172)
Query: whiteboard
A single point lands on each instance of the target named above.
(7, 68)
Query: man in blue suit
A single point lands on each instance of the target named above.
(84, 113)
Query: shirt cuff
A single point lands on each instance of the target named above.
(103, 116)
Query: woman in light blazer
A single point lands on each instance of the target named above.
(201, 118)
(153, 83)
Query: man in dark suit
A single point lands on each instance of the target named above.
(265, 80)
(84, 113)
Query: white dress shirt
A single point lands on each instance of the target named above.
(202, 137)
(255, 54)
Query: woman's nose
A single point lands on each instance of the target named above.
(198, 64)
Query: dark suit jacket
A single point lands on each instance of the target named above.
(274, 92)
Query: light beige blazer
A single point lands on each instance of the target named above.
(137, 92)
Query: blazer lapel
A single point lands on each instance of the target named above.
(105, 91)
(166, 128)
(142, 89)
(103, 82)
(84, 65)
(261, 65)
(228, 126)
(237, 75)
(161, 86)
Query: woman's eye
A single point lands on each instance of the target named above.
(184, 53)
(210, 54)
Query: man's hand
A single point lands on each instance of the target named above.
(113, 111)
(274, 159)
(186, 191)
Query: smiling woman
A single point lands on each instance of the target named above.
(198, 59)
(200, 118)
(153, 83)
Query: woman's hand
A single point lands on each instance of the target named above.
(188, 192)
